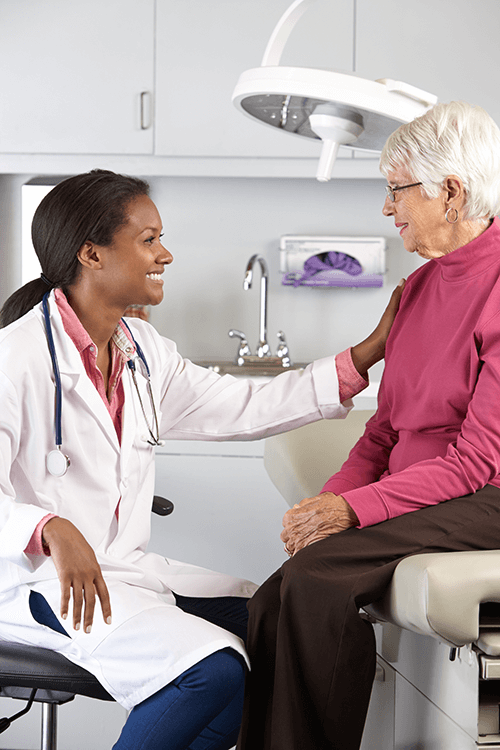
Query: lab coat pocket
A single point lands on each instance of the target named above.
(41, 611)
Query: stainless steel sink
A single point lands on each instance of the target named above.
(252, 367)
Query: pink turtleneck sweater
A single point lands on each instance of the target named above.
(436, 433)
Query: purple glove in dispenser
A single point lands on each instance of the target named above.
(332, 261)
(327, 262)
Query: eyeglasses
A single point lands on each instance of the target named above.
(391, 192)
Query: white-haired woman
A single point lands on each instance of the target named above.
(424, 477)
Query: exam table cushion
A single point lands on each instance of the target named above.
(439, 594)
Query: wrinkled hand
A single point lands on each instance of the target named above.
(78, 570)
(372, 349)
(315, 518)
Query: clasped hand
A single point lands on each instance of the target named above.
(316, 518)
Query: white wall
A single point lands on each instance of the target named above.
(213, 225)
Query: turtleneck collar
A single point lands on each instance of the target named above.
(474, 258)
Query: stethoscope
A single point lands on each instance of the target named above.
(57, 461)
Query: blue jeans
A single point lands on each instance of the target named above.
(201, 709)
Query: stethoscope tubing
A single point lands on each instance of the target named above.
(55, 368)
(57, 460)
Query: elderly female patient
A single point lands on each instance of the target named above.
(425, 475)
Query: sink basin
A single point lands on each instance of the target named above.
(252, 367)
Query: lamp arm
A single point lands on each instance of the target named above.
(282, 31)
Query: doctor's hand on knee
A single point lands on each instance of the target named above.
(78, 571)
(316, 518)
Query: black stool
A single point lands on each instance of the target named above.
(38, 674)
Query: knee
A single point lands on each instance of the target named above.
(229, 669)
(223, 672)
(310, 574)
(265, 603)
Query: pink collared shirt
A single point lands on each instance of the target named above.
(122, 348)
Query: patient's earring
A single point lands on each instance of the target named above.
(447, 217)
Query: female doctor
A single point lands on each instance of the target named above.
(84, 399)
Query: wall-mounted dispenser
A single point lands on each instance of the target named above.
(332, 261)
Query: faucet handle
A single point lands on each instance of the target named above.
(243, 349)
(282, 351)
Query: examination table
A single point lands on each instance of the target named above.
(437, 685)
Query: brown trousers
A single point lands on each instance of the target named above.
(312, 655)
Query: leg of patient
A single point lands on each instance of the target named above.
(312, 655)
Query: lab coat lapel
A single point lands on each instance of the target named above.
(129, 419)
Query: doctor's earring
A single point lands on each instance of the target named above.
(447, 216)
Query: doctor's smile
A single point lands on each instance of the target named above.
(135, 252)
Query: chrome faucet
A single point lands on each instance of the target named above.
(263, 358)
(263, 348)
(243, 349)
(283, 352)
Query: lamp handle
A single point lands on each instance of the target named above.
(428, 100)
(282, 31)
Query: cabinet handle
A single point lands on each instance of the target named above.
(145, 110)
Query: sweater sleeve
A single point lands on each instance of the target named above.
(471, 461)
(369, 459)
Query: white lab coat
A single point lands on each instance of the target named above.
(150, 641)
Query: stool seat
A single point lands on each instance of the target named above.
(24, 666)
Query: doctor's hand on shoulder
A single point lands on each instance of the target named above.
(372, 349)
(78, 571)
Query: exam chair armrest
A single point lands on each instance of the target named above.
(439, 594)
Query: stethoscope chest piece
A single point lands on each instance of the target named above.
(57, 463)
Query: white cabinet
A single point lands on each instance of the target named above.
(449, 48)
(421, 724)
(227, 513)
(203, 47)
(147, 84)
(74, 76)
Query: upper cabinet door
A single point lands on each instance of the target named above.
(74, 76)
(204, 46)
(448, 47)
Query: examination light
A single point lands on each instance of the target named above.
(336, 108)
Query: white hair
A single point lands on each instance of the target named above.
(451, 139)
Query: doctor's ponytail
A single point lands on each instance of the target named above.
(88, 207)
